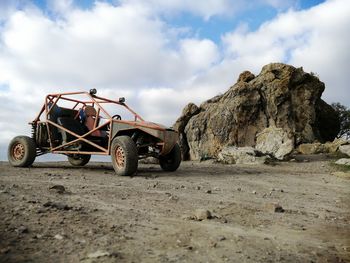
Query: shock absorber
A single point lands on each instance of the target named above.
(34, 131)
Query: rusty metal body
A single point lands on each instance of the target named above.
(60, 130)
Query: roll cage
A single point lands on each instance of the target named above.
(78, 101)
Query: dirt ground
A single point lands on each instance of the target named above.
(151, 217)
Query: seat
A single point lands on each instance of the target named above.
(92, 120)
(56, 113)
(89, 117)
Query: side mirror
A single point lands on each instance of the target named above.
(121, 100)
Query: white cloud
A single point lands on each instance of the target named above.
(316, 39)
(205, 9)
(199, 54)
(120, 50)
(7, 7)
(60, 6)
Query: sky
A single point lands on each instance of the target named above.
(160, 54)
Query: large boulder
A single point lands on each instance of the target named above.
(281, 100)
(343, 161)
(190, 110)
(275, 141)
(317, 147)
(345, 149)
(241, 155)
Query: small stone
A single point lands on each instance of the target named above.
(239, 189)
(274, 207)
(347, 249)
(60, 189)
(41, 210)
(5, 250)
(58, 206)
(58, 237)
(198, 187)
(202, 214)
(279, 209)
(254, 192)
(186, 217)
(22, 230)
(221, 238)
(99, 254)
(208, 191)
(173, 198)
(80, 241)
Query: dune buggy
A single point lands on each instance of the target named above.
(81, 124)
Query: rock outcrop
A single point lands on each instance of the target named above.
(274, 111)
(317, 147)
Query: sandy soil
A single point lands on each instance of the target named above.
(150, 217)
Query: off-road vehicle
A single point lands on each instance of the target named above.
(81, 124)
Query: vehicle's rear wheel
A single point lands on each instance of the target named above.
(172, 160)
(79, 159)
(21, 151)
(124, 155)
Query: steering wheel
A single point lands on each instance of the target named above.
(117, 117)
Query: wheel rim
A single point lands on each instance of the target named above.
(119, 157)
(76, 157)
(18, 151)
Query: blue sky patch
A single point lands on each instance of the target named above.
(212, 28)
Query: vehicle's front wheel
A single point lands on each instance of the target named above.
(21, 151)
(172, 160)
(124, 155)
(79, 159)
